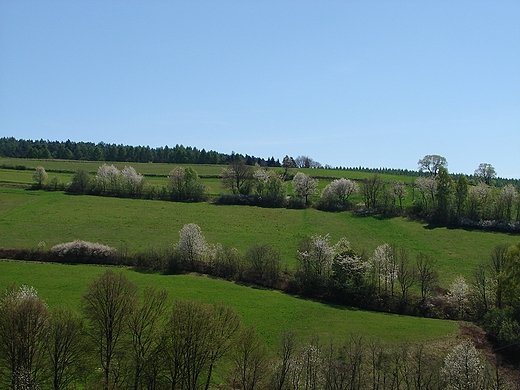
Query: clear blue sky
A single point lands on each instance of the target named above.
(348, 83)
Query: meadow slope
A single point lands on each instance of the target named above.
(270, 312)
(29, 217)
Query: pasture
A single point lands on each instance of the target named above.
(271, 312)
(28, 217)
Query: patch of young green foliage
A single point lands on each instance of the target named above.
(270, 312)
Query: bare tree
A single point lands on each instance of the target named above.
(237, 177)
(399, 191)
(426, 274)
(405, 272)
(250, 360)
(225, 324)
(144, 324)
(66, 348)
(23, 323)
(286, 351)
(187, 344)
(107, 304)
(372, 189)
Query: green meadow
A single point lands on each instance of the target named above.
(28, 217)
(271, 312)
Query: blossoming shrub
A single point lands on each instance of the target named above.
(79, 251)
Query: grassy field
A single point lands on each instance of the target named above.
(155, 173)
(269, 311)
(28, 217)
(164, 168)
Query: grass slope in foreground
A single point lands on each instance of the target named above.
(28, 217)
(269, 311)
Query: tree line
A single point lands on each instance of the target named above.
(70, 150)
(123, 338)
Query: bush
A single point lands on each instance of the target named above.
(84, 251)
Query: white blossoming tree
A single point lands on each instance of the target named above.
(108, 176)
(192, 243)
(134, 181)
(463, 369)
(316, 258)
(39, 175)
(338, 191)
(458, 296)
(384, 268)
(304, 186)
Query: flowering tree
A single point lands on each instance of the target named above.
(133, 179)
(39, 175)
(384, 267)
(508, 197)
(304, 186)
(317, 257)
(192, 243)
(458, 295)
(463, 369)
(338, 191)
(399, 192)
(427, 186)
(108, 176)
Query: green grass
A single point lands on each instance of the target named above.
(269, 311)
(202, 169)
(28, 217)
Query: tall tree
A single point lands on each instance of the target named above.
(237, 177)
(144, 324)
(432, 163)
(23, 323)
(66, 348)
(485, 172)
(304, 186)
(108, 304)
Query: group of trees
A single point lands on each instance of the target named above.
(129, 340)
(438, 197)
(70, 150)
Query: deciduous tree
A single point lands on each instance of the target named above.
(192, 243)
(39, 175)
(432, 163)
(485, 172)
(304, 186)
(108, 303)
(23, 323)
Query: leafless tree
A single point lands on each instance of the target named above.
(107, 304)
(237, 177)
(426, 274)
(66, 348)
(23, 323)
(250, 360)
(144, 325)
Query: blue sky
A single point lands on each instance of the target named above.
(348, 83)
